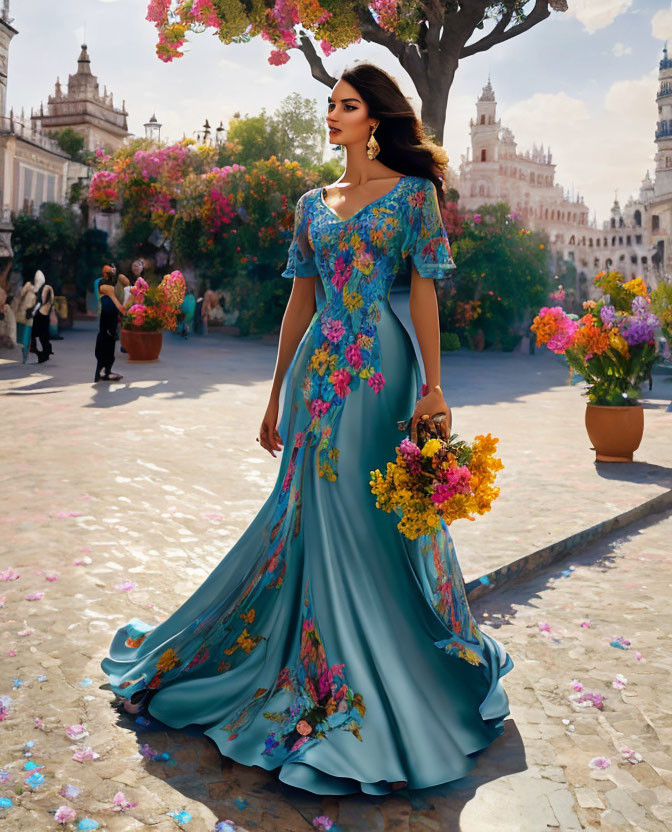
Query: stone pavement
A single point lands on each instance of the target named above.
(131, 493)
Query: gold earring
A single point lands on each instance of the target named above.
(372, 146)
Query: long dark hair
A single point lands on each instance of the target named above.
(404, 145)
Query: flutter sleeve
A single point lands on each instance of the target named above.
(301, 257)
(427, 242)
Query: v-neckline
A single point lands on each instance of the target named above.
(364, 207)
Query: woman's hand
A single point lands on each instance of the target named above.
(269, 438)
(429, 406)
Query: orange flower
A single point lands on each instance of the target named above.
(592, 339)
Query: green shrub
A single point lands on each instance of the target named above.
(450, 341)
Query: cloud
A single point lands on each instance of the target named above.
(618, 50)
(596, 14)
(597, 150)
(661, 24)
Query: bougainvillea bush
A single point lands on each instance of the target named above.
(503, 275)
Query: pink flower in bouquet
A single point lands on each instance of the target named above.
(340, 379)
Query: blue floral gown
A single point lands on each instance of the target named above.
(325, 644)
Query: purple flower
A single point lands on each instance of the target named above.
(608, 315)
(640, 305)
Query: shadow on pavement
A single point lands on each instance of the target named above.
(637, 472)
(197, 770)
(499, 607)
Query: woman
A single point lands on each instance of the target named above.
(25, 302)
(110, 309)
(45, 300)
(326, 644)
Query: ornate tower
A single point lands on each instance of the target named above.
(7, 32)
(663, 184)
(485, 130)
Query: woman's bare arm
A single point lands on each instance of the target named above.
(424, 311)
(106, 289)
(300, 309)
(298, 315)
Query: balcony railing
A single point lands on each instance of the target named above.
(22, 130)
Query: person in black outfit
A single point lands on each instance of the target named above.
(110, 309)
(41, 313)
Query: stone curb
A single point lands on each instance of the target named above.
(529, 564)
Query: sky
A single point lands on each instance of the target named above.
(583, 82)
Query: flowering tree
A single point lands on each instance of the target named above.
(503, 274)
(428, 37)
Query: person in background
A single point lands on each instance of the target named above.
(7, 322)
(25, 301)
(110, 309)
(45, 300)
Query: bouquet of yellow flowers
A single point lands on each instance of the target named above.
(435, 479)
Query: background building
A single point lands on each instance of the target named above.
(635, 240)
(84, 109)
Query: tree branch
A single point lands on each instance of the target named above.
(539, 13)
(317, 68)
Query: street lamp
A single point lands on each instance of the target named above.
(220, 134)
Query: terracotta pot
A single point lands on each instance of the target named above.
(141, 346)
(614, 431)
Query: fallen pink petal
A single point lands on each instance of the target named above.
(600, 763)
(76, 732)
(83, 755)
(64, 814)
(125, 586)
(9, 575)
(35, 596)
(619, 681)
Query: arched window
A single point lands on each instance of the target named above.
(613, 222)
(608, 263)
(553, 213)
(590, 242)
(484, 155)
(532, 179)
(655, 223)
(481, 190)
(483, 118)
(546, 214)
(597, 242)
(638, 218)
(572, 240)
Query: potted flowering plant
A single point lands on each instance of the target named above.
(154, 309)
(613, 347)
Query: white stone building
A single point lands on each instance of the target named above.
(634, 240)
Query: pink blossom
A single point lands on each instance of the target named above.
(9, 575)
(376, 382)
(278, 57)
(340, 379)
(353, 355)
(477, 218)
(333, 329)
(576, 685)
(318, 408)
(76, 732)
(341, 274)
(35, 596)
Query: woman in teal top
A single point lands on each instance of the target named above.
(325, 644)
